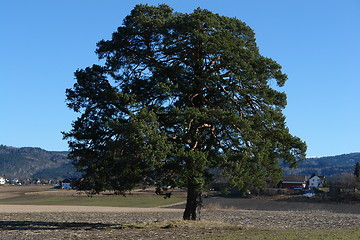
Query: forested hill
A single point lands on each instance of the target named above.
(326, 166)
(34, 162)
(38, 163)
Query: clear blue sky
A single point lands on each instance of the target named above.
(43, 42)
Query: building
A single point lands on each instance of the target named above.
(293, 181)
(66, 183)
(15, 181)
(69, 183)
(316, 181)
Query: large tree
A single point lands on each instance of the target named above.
(178, 96)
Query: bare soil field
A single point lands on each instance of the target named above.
(163, 225)
(220, 216)
(282, 203)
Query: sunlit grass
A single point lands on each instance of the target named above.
(108, 201)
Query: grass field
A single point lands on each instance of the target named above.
(105, 201)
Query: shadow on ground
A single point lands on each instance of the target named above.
(40, 225)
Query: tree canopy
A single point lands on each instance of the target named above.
(178, 96)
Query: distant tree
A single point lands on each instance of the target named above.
(180, 95)
(357, 171)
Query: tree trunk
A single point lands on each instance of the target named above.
(193, 203)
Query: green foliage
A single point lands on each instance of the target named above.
(180, 94)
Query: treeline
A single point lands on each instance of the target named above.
(326, 166)
(38, 163)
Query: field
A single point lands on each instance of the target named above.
(222, 218)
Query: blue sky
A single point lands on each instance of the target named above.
(43, 42)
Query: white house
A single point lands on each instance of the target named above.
(2, 181)
(316, 181)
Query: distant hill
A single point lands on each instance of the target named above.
(38, 163)
(326, 166)
(35, 162)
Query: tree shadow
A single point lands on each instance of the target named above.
(43, 225)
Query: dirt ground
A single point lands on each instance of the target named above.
(161, 225)
(297, 203)
(218, 216)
